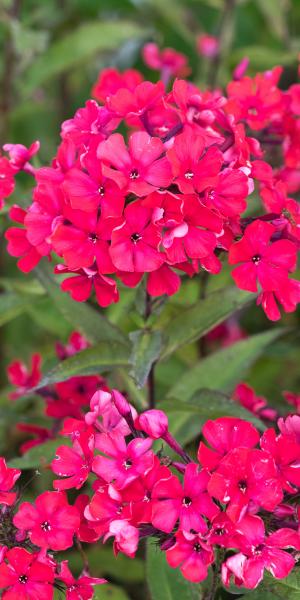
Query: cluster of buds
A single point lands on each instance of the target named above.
(167, 200)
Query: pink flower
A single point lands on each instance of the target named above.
(51, 522)
(105, 416)
(153, 422)
(126, 463)
(73, 463)
(24, 577)
(83, 281)
(90, 191)
(110, 80)
(23, 378)
(290, 426)
(257, 405)
(194, 166)
(208, 45)
(18, 243)
(107, 505)
(288, 296)
(76, 343)
(223, 435)
(228, 195)
(259, 552)
(192, 555)
(269, 264)
(134, 244)
(42, 434)
(293, 399)
(78, 589)
(285, 450)
(19, 155)
(140, 169)
(245, 480)
(8, 478)
(187, 503)
(168, 61)
(7, 181)
(126, 537)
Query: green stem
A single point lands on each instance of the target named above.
(224, 35)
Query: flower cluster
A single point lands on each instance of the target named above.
(168, 199)
(231, 509)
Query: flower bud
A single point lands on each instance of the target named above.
(241, 69)
(153, 422)
(121, 404)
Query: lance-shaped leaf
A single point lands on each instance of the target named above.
(12, 305)
(146, 346)
(89, 321)
(78, 47)
(223, 369)
(194, 322)
(39, 456)
(164, 582)
(101, 358)
(276, 589)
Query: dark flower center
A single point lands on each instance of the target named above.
(23, 579)
(127, 463)
(258, 549)
(256, 259)
(134, 174)
(220, 531)
(101, 190)
(186, 501)
(242, 485)
(135, 237)
(197, 547)
(93, 237)
(189, 175)
(46, 526)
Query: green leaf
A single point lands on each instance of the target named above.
(165, 583)
(263, 57)
(145, 351)
(223, 369)
(101, 564)
(89, 321)
(98, 359)
(277, 589)
(12, 305)
(273, 12)
(108, 591)
(194, 322)
(174, 14)
(77, 47)
(38, 456)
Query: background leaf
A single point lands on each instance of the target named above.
(146, 347)
(165, 583)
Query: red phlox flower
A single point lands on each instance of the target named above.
(126, 537)
(42, 216)
(51, 522)
(168, 61)
(134, 244)
(194, 166)
(23, 378)
(90, 191)
(195, 237)
(126, 463)
(42, 434)
(139, 169)
(7, 179)
(269, 264)
(163, 281)
(82, 282)
(74, 464)
(139, 493)
(228, 195)
(8, 478)
(107, 505)
(290, 426)
(223, 435)
(83, 239)
(259, 552)
(19, 155)
(87, 531)
(172, 501)
(71, 395)
(275, 201)
(76, 343)
(285, 450)
(257, 101)
(78, 589)
(25, 577)
(257, 405)
(246, 479)
(288, 296)
(18, 243)
(221, 531)
(105, 416)
(135, 105)
(111, 80)
(91, 123)
(192, 555)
